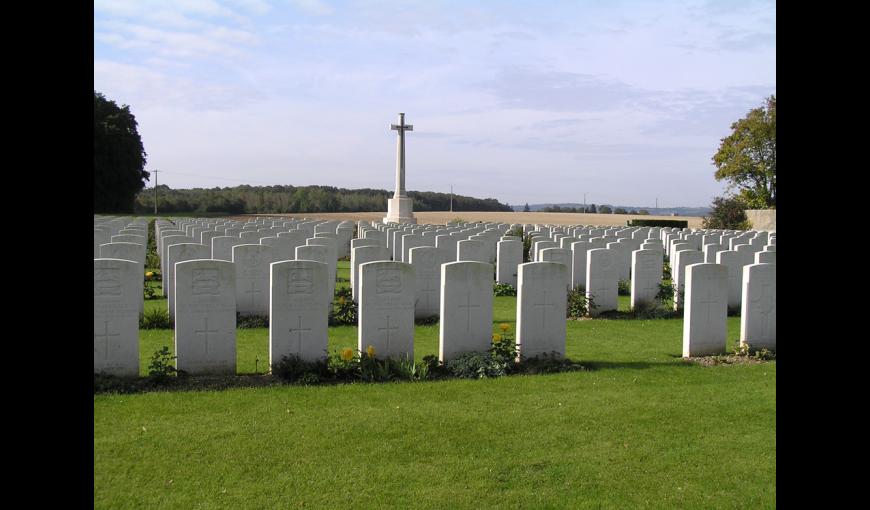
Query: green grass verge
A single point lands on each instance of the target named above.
(643, 429)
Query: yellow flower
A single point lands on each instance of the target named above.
(341, 300)
(149, 274)
(496, 338)
(505, 327)
(370, 350)
(347, 354)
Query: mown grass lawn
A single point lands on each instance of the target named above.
(642, 428)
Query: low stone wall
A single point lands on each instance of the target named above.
(762, 219)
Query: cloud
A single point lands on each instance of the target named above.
(527, 87)
(149, 88)
(316, 7)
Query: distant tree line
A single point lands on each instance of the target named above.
(591, 209)
(297, 199)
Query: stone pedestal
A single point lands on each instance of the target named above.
(400, 210)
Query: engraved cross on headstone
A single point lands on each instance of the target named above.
(299, 330)
(252, 291)
(427, 289)
(205, 332)
(106, 335)
(468, 306)
(707, 299)
(543, 306)
(388, 329)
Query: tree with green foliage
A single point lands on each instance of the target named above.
(605, 209)
(119, 157)
(747, 157)
(727, 213)
(526, 208)
(591, 209)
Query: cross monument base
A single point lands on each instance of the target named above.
(400, 210)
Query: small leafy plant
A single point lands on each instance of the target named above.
(344, 308)
(665, 293)
(504, 289)
(156, 318)
(161, 367)
(251, 321)
(624, 288)
(579, 305)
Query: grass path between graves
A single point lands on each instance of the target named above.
(643, 429)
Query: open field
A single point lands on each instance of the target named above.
(441, 217)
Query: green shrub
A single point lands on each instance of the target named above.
(149, 292)
(251, 321)
(666, 293)
(527, 246)
(293, 369)
(344, 308)
(504, 289)
(156, 318)
(476, 365)
(624, 288)
(427, 321)
(579, 305)
(161, 367)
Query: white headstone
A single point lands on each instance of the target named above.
(602, 281)
(705, 325)
(117, 293)
(424, 259)
(646, 271)
(386, 309)
(471, 251)
(466, 309)
(361, 255)
(282, 248)
(758, 311)
(325, 254)
(559, 256)
(222, 247)
(205, 316)
(682, 260)
(298, 319)
(541, 309)
(509, 255)
(179, 253)
(252, 278)
(734, 262)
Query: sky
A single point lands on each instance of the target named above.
(521, 101)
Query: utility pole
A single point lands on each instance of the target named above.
(657, 206)
(155, 192)
(584, 202)
(451, 198)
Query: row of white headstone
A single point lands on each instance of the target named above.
(205, 311)
(426, 257)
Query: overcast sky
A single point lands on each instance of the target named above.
(625, 101)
